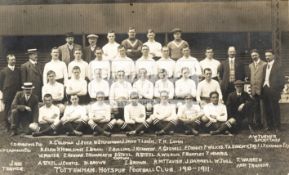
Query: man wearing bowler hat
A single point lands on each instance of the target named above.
(31, 71)
(89, 51)
(24, 108)
(67, 49)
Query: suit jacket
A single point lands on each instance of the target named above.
(256, 77)
(10, 83)
(20, 102)
(224, 72)
(276, 79)
(88, 55)
(32, 73)
(64, 52)
(234, 101)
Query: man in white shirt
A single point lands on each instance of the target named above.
(154, 46)
(74, 118)
(143, 86)
(163, 84)
(99, 114)
(59, 67)
(56, 90)
(123, 63)
(147, 63)
(185, 86)
(77, 85)
(78, 61)
(48, 119)
(99, 63)
(189, 116)
(210, 62)
(188, 61)
(134, 113)
(215, 114)
(119, 93)
(166, 62)
(98, 84)
(110, 50)
(162, 120)
(207, 86)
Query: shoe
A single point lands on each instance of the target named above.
(130, 133)
(78, 133)
(95, 133)
(54, 133)
(214, 132)
(187, 132)
(36, 134)
(195, 132)
(171, 133)
(251, 129)
(228, 133)
(161, 132)
(70, 133)
(107, 134)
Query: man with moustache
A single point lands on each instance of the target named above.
(31, 71)
(59, 67)
(67, 50)
(89, 51)
(132, 45)
(10, 83)
(154, 46)
(256, 81)
(230, 70)
(272, 88)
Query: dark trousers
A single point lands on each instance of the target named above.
(272, 108)
(225, 92)
(257, 117)
(7, 109)
(24, 118)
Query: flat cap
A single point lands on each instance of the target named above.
(175, 30)
(69, 34)
(92, 36)
(31, 51)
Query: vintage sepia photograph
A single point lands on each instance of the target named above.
(156, 87)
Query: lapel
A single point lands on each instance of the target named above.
(33, 67)
(274, 68)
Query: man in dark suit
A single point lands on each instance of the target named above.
(230, 70)
(256, 71)
(31, 71)
(10, 82)
(272, 88)
(88, 52)
(67, 49)
(239, 107)
(24, 108)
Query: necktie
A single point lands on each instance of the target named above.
(268, 66)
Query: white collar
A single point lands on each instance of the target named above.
(11, 67)
(271, 63)
(257, 62)
(33, 62)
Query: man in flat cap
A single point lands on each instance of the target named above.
(31, 71)
(132, 45)
(177, 44)
(67, 49)
(24, 108)
(239, 106)
(89, 51)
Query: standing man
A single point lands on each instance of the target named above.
(177, 44)
(132, 45)
(10, 83)
(272, 88)
(57, 66)
(256, 77)
(78, 61)
(154, 46)
(31, 71)
(210, 62)
(166, 62)
(67, 50)
(89, 51)
(230, 70)
(99, 63)
(24, 108)
(110, 50)
(190, 62)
